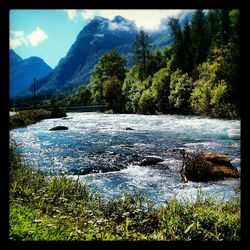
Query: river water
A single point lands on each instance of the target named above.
(103, 150)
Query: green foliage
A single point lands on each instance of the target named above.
(199, 73)
(132, 89)
(156, 61)
(147, 102)
(112, 91)
(111, 64)
(180, 89)
(177, 47)
(81, 96)
(211, 94)
(160, 89)
(141, 52)
(200, 43)
(28, 117)
(60, 208)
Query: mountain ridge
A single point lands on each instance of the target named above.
(23, 71)
(97, 37)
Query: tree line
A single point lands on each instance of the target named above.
(199, 73)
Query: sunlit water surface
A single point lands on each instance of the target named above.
(103, 153)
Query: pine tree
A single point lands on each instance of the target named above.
(200, 44)
(141, 52)
(177, 47)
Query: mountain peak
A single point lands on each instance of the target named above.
(119, 19)
(14, 57)
(100, 18)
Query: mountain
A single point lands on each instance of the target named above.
(22, 72)
(97, 37)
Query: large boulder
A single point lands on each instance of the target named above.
(59, 128)
(207, 167)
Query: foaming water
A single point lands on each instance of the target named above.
(104, 153)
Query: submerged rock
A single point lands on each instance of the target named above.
(207, 167)
(150, 160)
(59, 128)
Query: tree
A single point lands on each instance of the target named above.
(180, 90)
(112, 91)
(187, 60)
(147, 102)
(177, 47)
(160, 89)
(212, 26)
(224, 27)
(212, 93)
(141, 52)
(111, 64)
(200, 43)
(81, 96)
(156, 61)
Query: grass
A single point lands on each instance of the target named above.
(60, 208)
(27, 117)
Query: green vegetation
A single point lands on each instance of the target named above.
(60, 208)
(27, 117)
(110, 65)
(198, 74)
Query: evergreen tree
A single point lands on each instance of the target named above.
(141, 52)
(177, 47)
(187, 66)
(200, 43)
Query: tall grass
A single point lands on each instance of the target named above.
(60, 208)
(27, 117)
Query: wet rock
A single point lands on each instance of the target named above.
(59, 128)
(150, 160)
(128, 128)
(207, 167)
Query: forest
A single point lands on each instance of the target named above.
(199, 73)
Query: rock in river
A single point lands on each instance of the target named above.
(59, 128)
(150, 160)
(128, 128)
(208, 167)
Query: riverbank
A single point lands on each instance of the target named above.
(60, 208)
(27, 117)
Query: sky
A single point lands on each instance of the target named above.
(49, 34)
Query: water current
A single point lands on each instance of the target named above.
(103, 150)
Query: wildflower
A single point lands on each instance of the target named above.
(37, 221)
(50, 225)
(125, 214)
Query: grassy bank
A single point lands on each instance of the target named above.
(28, 117)
(59, 208)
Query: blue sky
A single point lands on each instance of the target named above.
(49, 34)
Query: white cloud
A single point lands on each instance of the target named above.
(37, 36)
(72, 14)
(18, 38)
(19, 33)
(14, 43)
(119, 26)
(147, 19)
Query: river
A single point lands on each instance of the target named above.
(103, 150)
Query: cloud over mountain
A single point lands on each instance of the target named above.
(18, 38)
